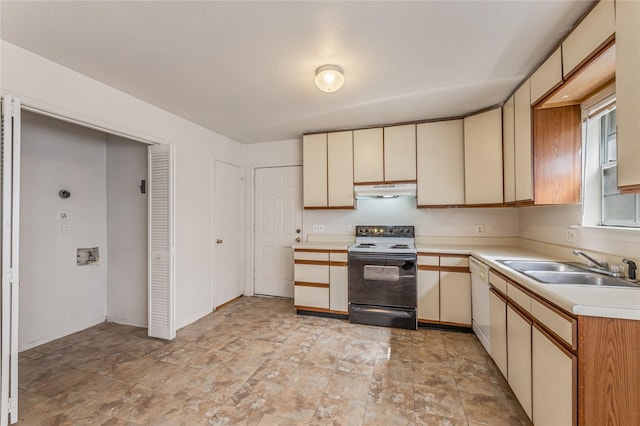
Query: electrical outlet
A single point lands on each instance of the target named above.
(318, 228)
(571, 235)
(479, 229)
(62, 216)
(349, 228)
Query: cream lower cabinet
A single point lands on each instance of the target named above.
(311, 279)
(519, 357)
(444, 289)
(455, 298)
(554, 389)
(338, 282)
(428, 295)
(498, 330)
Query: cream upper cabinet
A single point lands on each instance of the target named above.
(508, 150)
(522, 142)
(483, 158)
(628, 94)
(340, 169)
(440, 159)
(595, 29)
(400, 153)
(314, 170)
(554, 374)
(368, 156)
(547, 77)
(519, 357)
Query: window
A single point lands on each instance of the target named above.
(603, 203)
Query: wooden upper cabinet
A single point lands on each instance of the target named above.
(340, 169)
(585, 40)
(508, 150)
(556, 151)
(368, 156)
(400, 153)
(547, 77)
(628, 94)
(440, 158)
(483, 158)
(314, 170)
(522, 142)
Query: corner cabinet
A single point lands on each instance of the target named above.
(440, 159)
(328, 170)
(628, 94)
(483, 158)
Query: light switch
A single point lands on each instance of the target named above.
(65, 229)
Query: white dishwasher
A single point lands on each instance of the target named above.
(480, 300)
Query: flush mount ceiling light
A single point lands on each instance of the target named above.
(329, 78)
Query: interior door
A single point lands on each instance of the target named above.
(161, 242)
(278, 224)
(227, 225)
(10, 260)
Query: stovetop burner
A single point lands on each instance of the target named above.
(400, 246)
(366, 245)
(384, 239)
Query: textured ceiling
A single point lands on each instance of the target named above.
(246, 69)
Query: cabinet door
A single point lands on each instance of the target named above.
(314, 170)
(598, 26)
(508, 150)
(455, 297)
(547, 77)
(428, 295)
(498, 331)
(400, 153)
(522, 143)
(628, 94)
(368, 156)
(554, 372)
(338, 279)
(519, 357)
(340, 169)
(483, 158)
(440, 158)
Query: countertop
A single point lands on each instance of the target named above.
(579, 299)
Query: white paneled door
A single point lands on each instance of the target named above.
(10, 260)
(227, 230)
(278, 224)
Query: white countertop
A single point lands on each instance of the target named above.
(579, 299)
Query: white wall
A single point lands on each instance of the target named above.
(58, 297)
(48, 86)
(126, 232)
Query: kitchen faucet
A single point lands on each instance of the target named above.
(600, 267)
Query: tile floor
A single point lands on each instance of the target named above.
(256, 362)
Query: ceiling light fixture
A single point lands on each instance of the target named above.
(329, 78)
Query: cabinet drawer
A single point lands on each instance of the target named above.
(428, 260)
(498, 282)
(311, 255)
(518, 296)
(454, 261)
(313, 297)
(338, 256)
(561, 325)
(311, 273)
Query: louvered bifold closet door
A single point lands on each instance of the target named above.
(10, 260)
(161, 242)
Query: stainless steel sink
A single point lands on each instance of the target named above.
(549, 272)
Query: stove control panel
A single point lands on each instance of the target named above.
(395, 231)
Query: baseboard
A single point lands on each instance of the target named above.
(59, 334)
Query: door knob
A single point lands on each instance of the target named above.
(218, 241)
(298, 231)
(298, 240)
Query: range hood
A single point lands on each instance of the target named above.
(385, 191)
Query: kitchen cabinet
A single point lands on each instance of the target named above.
(628, 94)
(595, 30)
(444, 289)
(523, 168)
(554, 388)
(498, 330)
(340, 169)
(519, 357)
(400, 153)
(483, 158)
(547, 77)
(557, 150)
(440, 163)
(314, 170)
(368, 156)
(508, 150)
(338, 281)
